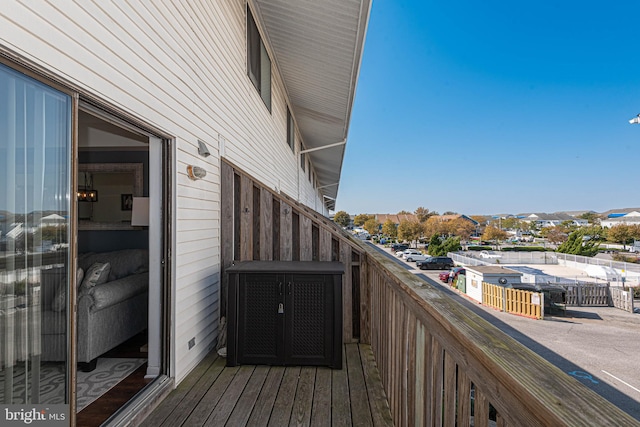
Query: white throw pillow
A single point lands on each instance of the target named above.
(97, 274)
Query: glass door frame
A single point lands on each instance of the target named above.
(81, 100)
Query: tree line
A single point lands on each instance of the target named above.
(568, 236)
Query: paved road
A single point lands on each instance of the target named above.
(600, 346)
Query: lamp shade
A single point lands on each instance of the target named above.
(140, 211)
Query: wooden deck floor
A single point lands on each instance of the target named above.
(215, 395)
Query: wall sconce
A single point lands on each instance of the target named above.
(195, 172)
(203, 150)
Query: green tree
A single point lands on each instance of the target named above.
(452, 244)
(390, 229)
(372, 226)
(577, 245)
(360, 219)
(342, 218)
(435, 246)
(403, 212)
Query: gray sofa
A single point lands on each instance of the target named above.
(108, 314)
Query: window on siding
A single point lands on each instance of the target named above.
(303, 162)
(258, 62)
(291, 131)
(309, 172)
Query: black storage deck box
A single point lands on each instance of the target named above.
(285, 313)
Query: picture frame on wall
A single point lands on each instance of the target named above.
(126, 202)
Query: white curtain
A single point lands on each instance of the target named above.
(35, 164)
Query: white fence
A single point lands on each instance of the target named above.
(578, 261)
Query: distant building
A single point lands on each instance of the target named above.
(452, 217)
(552, 220)
(53, 220)
(631, 218)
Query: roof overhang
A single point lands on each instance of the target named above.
(317, 49)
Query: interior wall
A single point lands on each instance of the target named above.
(112, 240)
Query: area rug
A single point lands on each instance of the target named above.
(90, 385)
(108, 373)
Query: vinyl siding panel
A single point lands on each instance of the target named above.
(179, 67)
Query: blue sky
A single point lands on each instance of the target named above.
(495, 107)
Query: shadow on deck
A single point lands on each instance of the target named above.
(216, 395)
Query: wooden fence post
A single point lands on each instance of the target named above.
(504, 299)
(579, 298)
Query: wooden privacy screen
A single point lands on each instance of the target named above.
(259, 224)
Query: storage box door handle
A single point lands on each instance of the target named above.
(280, 308)
(289, 288)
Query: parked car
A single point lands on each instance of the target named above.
(444, 276)
(408, 252)
(487, 254)
(435, 263)
(416, 257)
(398, 247)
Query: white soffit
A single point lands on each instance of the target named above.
(318, 46)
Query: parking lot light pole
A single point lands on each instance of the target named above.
(635, 120)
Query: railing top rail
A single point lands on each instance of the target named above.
(518, 381)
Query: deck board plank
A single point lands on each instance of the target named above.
(199, 415)
(321, 411)
(281, 414)
(341, 414)
(264, 404)
(246, 403)
(258, 396)
(380, 411)
(360, 412)
(173, 402)
(301, 412)
(229, 399)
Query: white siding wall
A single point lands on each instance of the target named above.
(180, 67)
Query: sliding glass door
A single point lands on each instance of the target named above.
(35, 229)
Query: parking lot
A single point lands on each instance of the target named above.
(598, 346)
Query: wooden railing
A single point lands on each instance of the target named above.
(442, 365)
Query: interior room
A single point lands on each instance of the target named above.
(113, 235)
